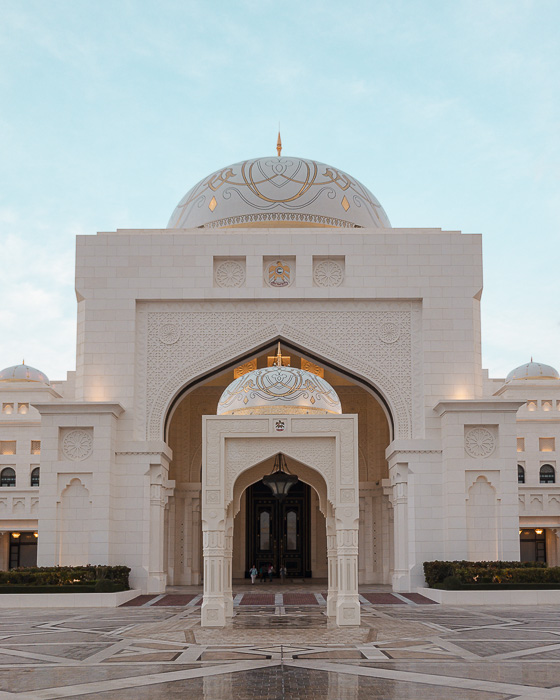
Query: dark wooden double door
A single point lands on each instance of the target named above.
(278, 531)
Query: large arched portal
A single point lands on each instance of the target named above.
(184, 436)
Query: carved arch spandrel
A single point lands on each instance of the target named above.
(348, 337)
(316, 454)
(256, 472)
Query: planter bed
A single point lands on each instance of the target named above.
(497, 597)
(85, 599)
(503, 587)
(70, 588)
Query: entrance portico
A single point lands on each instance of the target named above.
(325, 447)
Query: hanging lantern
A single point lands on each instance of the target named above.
(280, 481)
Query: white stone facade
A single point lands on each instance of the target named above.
(392, 316)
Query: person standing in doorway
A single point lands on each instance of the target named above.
(253, 573)
(262, 573)
(270, 572)
(283, 573)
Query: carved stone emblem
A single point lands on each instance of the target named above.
(389, 332)
(328, 273)
(169, 333)
(77, 445)
(279, 274)
(230, 273)
(280, 426)
(479, 442)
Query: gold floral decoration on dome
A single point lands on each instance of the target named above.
(280, 189)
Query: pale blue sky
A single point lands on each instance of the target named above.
(449, 111)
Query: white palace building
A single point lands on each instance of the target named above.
(279, 325)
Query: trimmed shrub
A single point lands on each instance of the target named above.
(488, 572)
(452, 583)
(66, 576)
(105, 585)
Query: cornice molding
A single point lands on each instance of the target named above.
(79, 408)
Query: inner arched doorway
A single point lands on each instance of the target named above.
(290, 532)
(278, 532)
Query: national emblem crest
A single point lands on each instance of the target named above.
(279, 274)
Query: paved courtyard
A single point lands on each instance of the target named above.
(281, 645)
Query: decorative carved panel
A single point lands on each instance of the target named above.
(245, 368)
(76, 444)
(349, 334)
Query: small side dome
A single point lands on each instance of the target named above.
(23, 373)
(532, 370)
(279, 389)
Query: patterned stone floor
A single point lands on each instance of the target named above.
(288, 649)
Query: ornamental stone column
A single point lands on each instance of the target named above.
(399, 500)
(228, 560)
(160, 490)
(348, 602)
(332, 566)
(213, 612)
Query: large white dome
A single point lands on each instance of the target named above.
(279, 390)
(277, 192)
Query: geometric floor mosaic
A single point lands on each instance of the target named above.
(287, 649)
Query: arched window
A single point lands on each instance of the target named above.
(547, 474)
(35, 477)
(520, 474)
(7, 477)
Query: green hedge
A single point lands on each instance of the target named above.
(488, 572)
(115, 577)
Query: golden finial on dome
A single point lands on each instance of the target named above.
(279, 143)
(278, 360)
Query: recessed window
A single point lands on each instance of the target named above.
(35, 447)
(23, 408)
(7, 447)
(546, 445)
(531, 405)
(35, 477)
(521, 444)
(8, 477)
(547, 474)
(520, 474)
(8, 408)
(546, 405)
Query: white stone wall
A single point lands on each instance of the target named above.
(443, 269)
(401, 315)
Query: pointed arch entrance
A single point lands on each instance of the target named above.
(182, 557)
(326, 448)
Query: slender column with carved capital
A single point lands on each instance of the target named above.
(332, 567)
(399, 501)
(348, 602)
(553, 557)
(159, 493)
(213, 612)
(228, 559)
